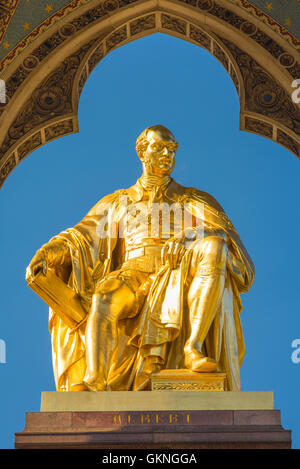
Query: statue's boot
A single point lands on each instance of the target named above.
(75, 375)
(100, 342)
(92, 386)
(197, 362)
(204, 298)
(112, 299)
(79, 387)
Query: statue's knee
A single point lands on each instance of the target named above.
(216, 243)
(211, 243)
(107, 292)
(108, 286)
(216, 250)
(104, 305)
(112, 299)
(101, 307)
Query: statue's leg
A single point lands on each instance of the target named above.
(113, 300)
(207, 274)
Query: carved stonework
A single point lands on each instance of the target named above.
(13, 83)
(288, 142)
(56, 97)
(263, 94)
(59, 129)
(108, 6)
(173, 24)
(200, 37)
(116, 38)
(67, 30)
(31, 144)
(235, 79)
(221, 56)
(258, 127)
(295, 71)
(186, 380)
(267, 43)
(187, 387)
(168, 22)
(227, 15)
(30, 62)
(287, 60)
(7, 168)
(5, 147)
(269, 20)
(49, 45)
(205, 5)
(82, 80)
(142, 24)
(95, 58)
(51, 100)
(248, 28)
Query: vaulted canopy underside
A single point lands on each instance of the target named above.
(46, 71)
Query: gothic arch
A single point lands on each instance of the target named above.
(44, 81)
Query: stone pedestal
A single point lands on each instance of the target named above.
(154, 420)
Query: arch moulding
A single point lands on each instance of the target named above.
(44, 82)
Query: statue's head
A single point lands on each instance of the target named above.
(156, 148)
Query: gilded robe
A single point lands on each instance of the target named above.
(158, 331)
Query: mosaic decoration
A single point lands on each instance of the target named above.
(284, 13)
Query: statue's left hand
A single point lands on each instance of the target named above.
(172, 252)
(39, 263)
(54, 253)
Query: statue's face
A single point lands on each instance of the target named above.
(159, 156)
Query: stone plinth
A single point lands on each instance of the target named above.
(185, 380)
(155, 419)
(155, 400)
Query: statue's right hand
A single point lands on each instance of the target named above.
(38, 264)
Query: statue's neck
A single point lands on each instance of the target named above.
(149, 182)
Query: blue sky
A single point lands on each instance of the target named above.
(155, 80)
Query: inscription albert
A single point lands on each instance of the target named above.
(151, 418)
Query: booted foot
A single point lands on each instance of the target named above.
(196, 362)
(78, 387)
(93, 385)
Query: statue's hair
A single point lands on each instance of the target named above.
(142, 142)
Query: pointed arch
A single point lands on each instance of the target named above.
(45, 81)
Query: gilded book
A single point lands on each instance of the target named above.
(59, 297)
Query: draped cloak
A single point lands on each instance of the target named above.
(157, 333)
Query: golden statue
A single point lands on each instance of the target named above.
(149, 280)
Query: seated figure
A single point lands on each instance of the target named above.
(159, 269)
